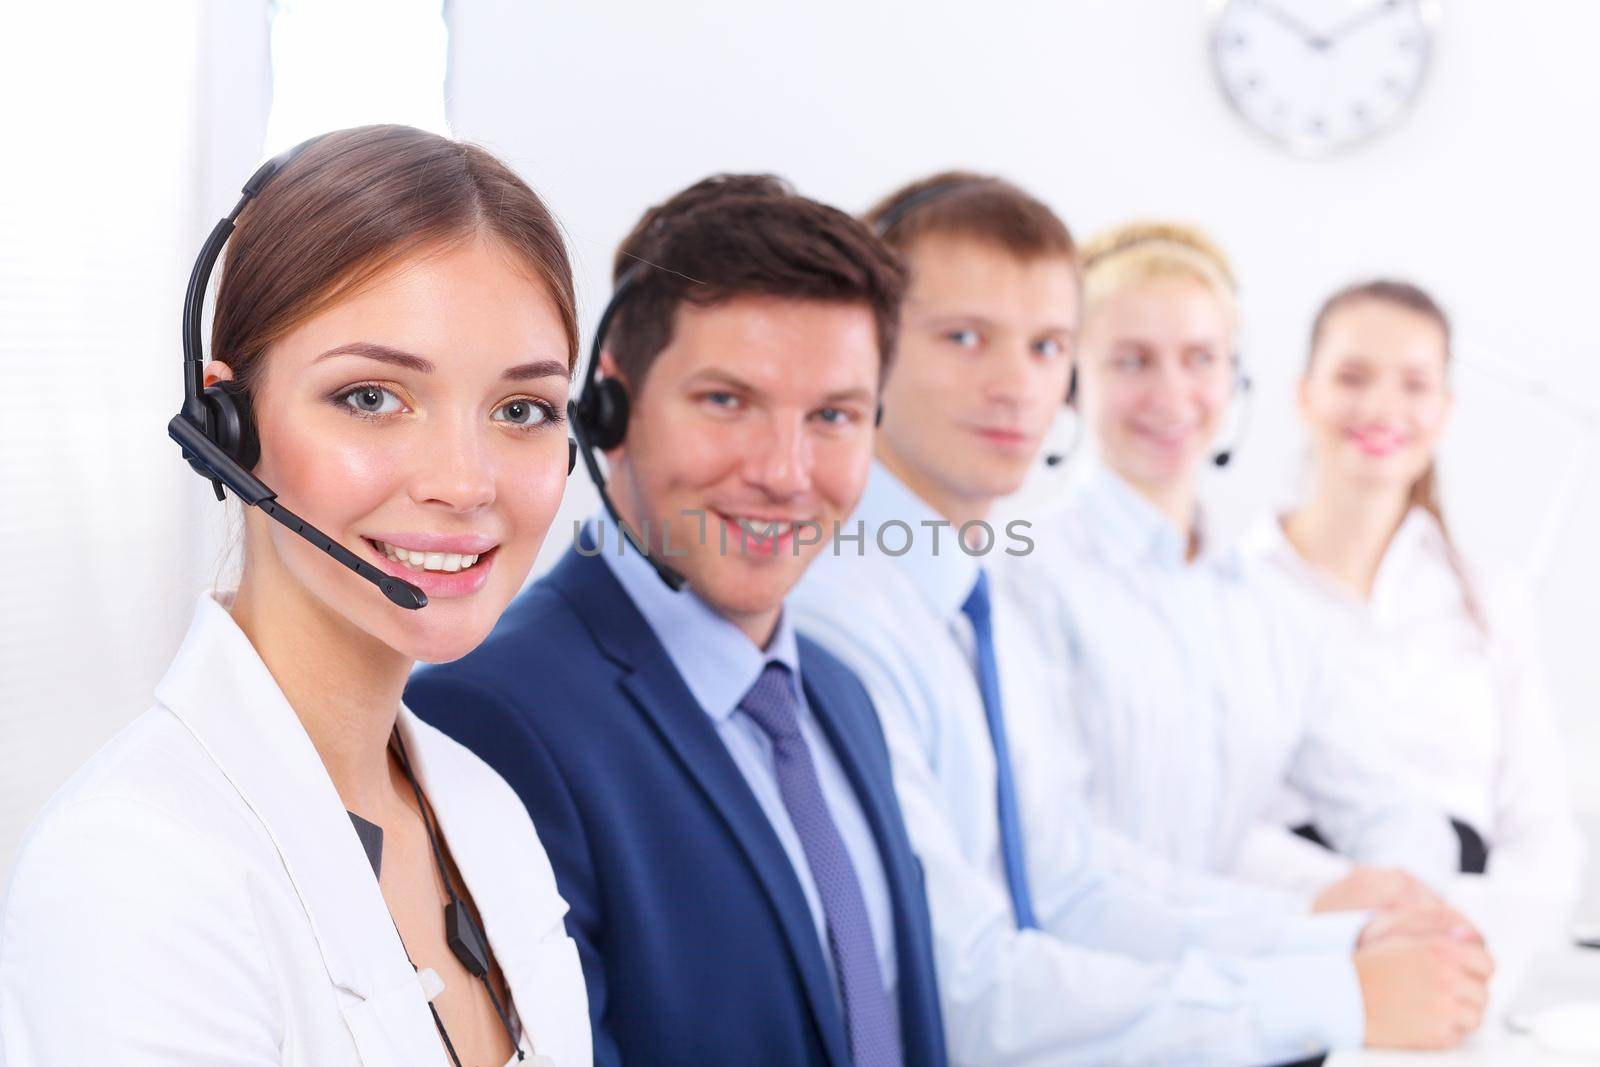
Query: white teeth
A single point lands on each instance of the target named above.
(764, 528)
(447, 562)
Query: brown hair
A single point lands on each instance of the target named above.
(734, 235)
(1425, 490)
(356, 201)
(964, 204)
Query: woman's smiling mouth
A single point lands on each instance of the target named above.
(441, 566)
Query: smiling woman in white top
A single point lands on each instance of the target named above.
(1192, 700)
(1369, 558)
(278, 863)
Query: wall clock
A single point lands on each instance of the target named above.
(1321, 75)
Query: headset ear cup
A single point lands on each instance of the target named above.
(231, 423)
(605, 414)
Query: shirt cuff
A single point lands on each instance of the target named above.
(1338, 931)
(1304, 1004)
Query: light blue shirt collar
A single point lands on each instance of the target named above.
(715, 658)
(1131, 530)
(939, 567)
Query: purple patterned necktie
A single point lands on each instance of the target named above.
(869, 1015)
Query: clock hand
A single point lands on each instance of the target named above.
(1359, 19)
(1313, 40)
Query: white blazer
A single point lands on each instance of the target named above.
(197, 894)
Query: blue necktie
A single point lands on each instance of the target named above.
(868, 1013)
(977, 610)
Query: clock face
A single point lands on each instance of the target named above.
(1318, 75)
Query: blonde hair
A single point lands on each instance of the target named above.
(1145, 251)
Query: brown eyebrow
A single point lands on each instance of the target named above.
(714, 376)
(539, 368)
(381, 353)
(846, 395)
(958, 318)
(965, 319)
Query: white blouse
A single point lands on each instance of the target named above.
(1192, 700)
(197, 894)
(1466, 713)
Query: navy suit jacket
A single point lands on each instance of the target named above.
(697, 945)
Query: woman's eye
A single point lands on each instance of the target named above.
(522, 412)
(372, 400)
(1204, 358)
(963, 338)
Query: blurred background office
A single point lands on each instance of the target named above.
(131, 125)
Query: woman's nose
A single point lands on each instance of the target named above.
(455, 468)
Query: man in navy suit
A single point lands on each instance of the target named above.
(713, 790)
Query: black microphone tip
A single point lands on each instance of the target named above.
(676, 580)
(1054, 459)
(1222, 459)
(403, 593)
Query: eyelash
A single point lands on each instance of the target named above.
(552, 415)
(341, 399)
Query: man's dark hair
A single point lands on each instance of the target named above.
(735, 235)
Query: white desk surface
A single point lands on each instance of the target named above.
(1537, 966)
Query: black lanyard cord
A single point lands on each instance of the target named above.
(457, 904)
(444, 1035)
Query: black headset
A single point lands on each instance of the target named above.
(599, 418)
(216, 429)
(1245, 388)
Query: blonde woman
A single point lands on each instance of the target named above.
(1368, 556)
(1192, 700)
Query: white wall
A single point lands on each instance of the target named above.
(1107, 109)
(127, 118)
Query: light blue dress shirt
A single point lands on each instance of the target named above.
(719, 664)
(1135, 960)
(1197, 698)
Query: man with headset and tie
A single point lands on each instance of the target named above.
(714, 792)
(1056, 943)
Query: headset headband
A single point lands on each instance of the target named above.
(200, 277)
(897, 213)
(1176, 243)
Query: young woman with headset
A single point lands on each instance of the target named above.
(1189, 702)
(278, 863)
(1370, 559)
